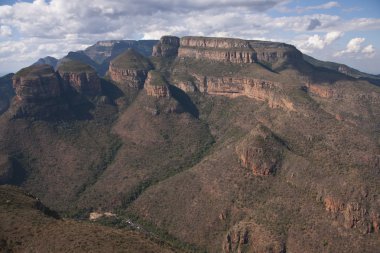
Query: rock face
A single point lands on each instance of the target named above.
(166, 47)
(80, 77)
(129, 69)
(38, 93)
(259, 89)
(260, 151)
(6, 92)
(156, 86)
(36, 83)
(237, 50)
(353, 214)
(250, 237)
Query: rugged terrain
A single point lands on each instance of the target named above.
(211, 144)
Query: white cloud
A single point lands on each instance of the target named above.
(354, 49)
(298, 9)
(5, 31)
(353, 46)
(309, 44)
(369, 51)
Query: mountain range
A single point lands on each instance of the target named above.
(192, 144)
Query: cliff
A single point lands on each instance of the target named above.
(6, 92)
(238, 51)
(156, 86)
(81, 77)
(263, 90)
(166, 47)
(129, 69)
(36, 83)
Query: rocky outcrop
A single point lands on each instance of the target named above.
(238, 51)
(156, 86)
(166, 47)
(338, 92)
(261, 152)
(353, 214)
(36, 83)
(259, 89)
(81, 77)
(87, 83)
(38, 93)
(129, 69)
(248, 236)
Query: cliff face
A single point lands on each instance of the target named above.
(237, 50)
(259, 89)
(87, 83)
(129, 69)
(156, 86)
(36, 83)
(166, 47)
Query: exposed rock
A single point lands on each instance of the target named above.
(336, 92)
(238, 51)
(352, 214)
(259, 89)
(156, 86)
(129, 69)
(38, 92)
(260, 151)
(250, 237)
(36, 83)
(166, 47)
(81, 77)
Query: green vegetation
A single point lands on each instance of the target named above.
(35, 70)
(157, 79)
(69, 65)
(131, 60)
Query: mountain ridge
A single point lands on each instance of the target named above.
(229, 145)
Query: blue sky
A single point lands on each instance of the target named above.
(340, 31)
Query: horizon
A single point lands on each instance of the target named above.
(345, 32)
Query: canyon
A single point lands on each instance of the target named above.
(207, 144)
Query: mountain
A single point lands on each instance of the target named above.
(375, 79)
(47, 60)
(210, 144)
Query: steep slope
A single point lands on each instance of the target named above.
(226, 145)
(39, 229)
(6, 92)
(129, 69)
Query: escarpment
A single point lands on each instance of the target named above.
(38, 92)
(129, 69)
(238, 51)
(166, 47)
(263, 90)
(156, 86)
(36, 83)
(81, 77)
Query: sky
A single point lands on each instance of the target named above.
(341, 31)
